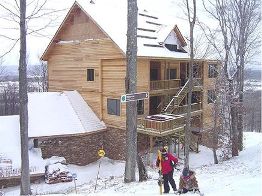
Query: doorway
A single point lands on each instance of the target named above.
(155, 70)
(154, 101)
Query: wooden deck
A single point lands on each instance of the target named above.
(164, 84)
(161, 125)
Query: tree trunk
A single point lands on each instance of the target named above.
(233, 112)
(215, 132)
(131, 107)
(190, 78)
(141, 169)
(23, 99)
(241, 106)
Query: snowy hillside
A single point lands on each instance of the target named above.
(239, 176)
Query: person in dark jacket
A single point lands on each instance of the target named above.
(168, 161)
(188, 181)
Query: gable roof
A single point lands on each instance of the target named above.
(111, 18)
(55, 113)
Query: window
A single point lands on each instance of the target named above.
(90, 74)
(140, 107)
(113, 107)
(171, 47)
(171, 74)
(211, 96)
(212, 70)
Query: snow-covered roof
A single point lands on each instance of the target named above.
(55, 113)
(111, 17)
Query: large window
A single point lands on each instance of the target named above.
(171, 74)
(113, 107)
(212, 70)
(140, 107)
(90, 74)
(211, 96)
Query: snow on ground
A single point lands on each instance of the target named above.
(238, 176)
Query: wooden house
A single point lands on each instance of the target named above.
(88, 54)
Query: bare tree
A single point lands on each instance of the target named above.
(238, 22)
(9, 99)
(131, 80)
(40, 76)
(38, 20)
(16, 14)
(191, 13)
(23, 99)
(247, 15)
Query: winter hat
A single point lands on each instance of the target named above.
(163, 151)
(185, 172)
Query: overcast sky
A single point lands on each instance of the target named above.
(37, 44)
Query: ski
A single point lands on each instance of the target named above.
(160, 179)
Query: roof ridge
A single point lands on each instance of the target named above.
(77, 114)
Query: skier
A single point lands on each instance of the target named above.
(188, 182)
(168, 162)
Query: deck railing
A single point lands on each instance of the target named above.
(164, 84)
(161, 123)
(183, 109)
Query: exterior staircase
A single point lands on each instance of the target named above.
(178, 98)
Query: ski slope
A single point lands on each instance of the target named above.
(239, 176)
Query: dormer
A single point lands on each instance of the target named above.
(174, 42)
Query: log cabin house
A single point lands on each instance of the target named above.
(88, 54)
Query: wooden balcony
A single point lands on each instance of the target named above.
(161, 125)
(196, 109)
(164, 84)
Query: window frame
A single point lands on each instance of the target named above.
(173, 70)
(92, 78)
(142, 107)
(116, 109)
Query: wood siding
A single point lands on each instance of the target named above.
(208, 84)
(79, 26)
(80, 45)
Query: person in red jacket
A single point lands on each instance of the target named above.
(168, 161)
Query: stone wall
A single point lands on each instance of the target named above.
(115, 143)
(80, 150)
